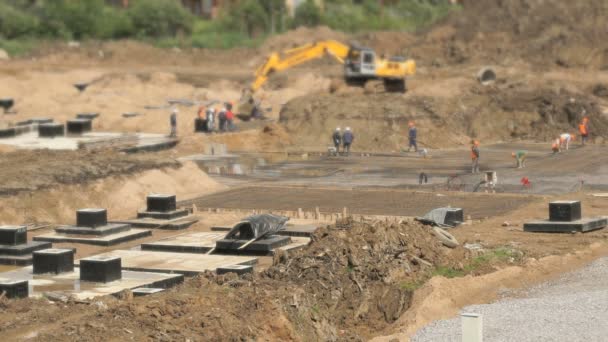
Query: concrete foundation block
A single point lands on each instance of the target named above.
(8, 132)
(15, 289)
(565, 211)
(163, 215)
(101, 269)
(161, 203)
(23, 248)
(53, 260)
(200, 125)
(91, 217)
(106, 230)
(582, 225)
(13, 235)
(238, 269)
(79, 126)
(51, 130)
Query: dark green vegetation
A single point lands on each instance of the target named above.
(167, 23)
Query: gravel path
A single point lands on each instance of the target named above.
(571, 308)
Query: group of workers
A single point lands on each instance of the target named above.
(343, 139)
(224, 117)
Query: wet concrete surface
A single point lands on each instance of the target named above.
(446, 169)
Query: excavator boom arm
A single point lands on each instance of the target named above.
(297, 56)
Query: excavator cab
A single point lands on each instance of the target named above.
(359, 65)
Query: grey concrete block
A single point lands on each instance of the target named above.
(13, 235)
(161, 203)
(50, 130)
(79, 126)
(15, 289)
(91, 217)
(24, 248)
(53, 260)
(8, 132)
(565, 211)
(100, 269)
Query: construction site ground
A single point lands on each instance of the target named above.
(376, 275)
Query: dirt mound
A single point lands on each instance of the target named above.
(564, 33)
(354, 280)
(496, 113)
(41, 169)
(300, 36)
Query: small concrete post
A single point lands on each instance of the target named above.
(472, 327)
(300, 213)
(344, 212)
(317, 213)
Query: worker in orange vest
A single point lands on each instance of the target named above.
(556, 146)
(474, 156)
(583, 129)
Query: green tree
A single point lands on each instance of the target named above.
(308, 14)
(79, 19)
(159, 18)
(15, 23)
(276, 11)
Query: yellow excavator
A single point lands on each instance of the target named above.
(360, 64)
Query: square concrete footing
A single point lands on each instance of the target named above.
(51, 130)
(565, 211)
(582, 225)
(91, 217)
(174, 224)
(163, 215)
(79, 126)
(14, 288)
(186, 243)
(108, 229)
(100, 269)
(53, 260)
(13, 235)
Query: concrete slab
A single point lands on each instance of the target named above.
(163, 215)
(105, 230)
(582, 225)
(297, 242)
(184, 263)
(238, 269)
(185, 243)
(142, 141)
(107, 240)
(265, 245)
(174, 224)
(71, 285)
(144, 291)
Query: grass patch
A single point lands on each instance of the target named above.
(413, 285)
(499, 255)
(20, 47)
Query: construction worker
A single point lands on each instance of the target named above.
(413, 133)
(337, 139)
(474, 156)
(555, 147)
(222, 119)
(564, 140)
(347, 140)
(520, 157)
(229, 116)
(583, 129)
(210, 115)
(173, 122)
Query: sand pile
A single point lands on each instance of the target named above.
(123, 195)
